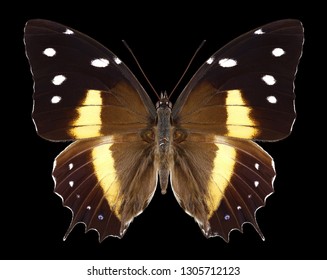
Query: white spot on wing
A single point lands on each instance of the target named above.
(117, 60)
(100, 217)
(257, 166)
(256, 183)
(68, 31)
(227, 62)
(239, 207)
(259, 32)
(71, 183)
(210, 60)
(70, 166)
(88, 207)
(227, 217)
(269, 80)
(50, 52)
(58, 80)
(272, 99)
(55, 99)
(277, 52)
(100, 62)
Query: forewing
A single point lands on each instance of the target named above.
(246, 89)
(81, 89)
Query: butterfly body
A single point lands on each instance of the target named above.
(203, 145)
(164, 140)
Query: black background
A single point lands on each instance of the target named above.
(163, 38)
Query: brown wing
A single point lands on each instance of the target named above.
(222, 182)
(84, 91)
(104, 183)
(244, 91)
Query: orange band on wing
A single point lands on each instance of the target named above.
(88, 122)
(239, 122)
(221, 174)
(104, 167)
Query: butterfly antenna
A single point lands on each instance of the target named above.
(188, 66)
(139, 66)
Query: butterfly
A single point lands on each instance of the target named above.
(203, 145)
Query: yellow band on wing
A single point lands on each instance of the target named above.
(104, 167)
(88, 122)
(239, 122)
(221, 174)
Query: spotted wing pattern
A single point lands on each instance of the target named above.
(243, 92)
(84, 91)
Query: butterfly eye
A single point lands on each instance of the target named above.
(165, 103)
(148, 135)
(179, 135)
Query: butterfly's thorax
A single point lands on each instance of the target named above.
(163, 140)
(163, 132)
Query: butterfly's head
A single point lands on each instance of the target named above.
(164, 101)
